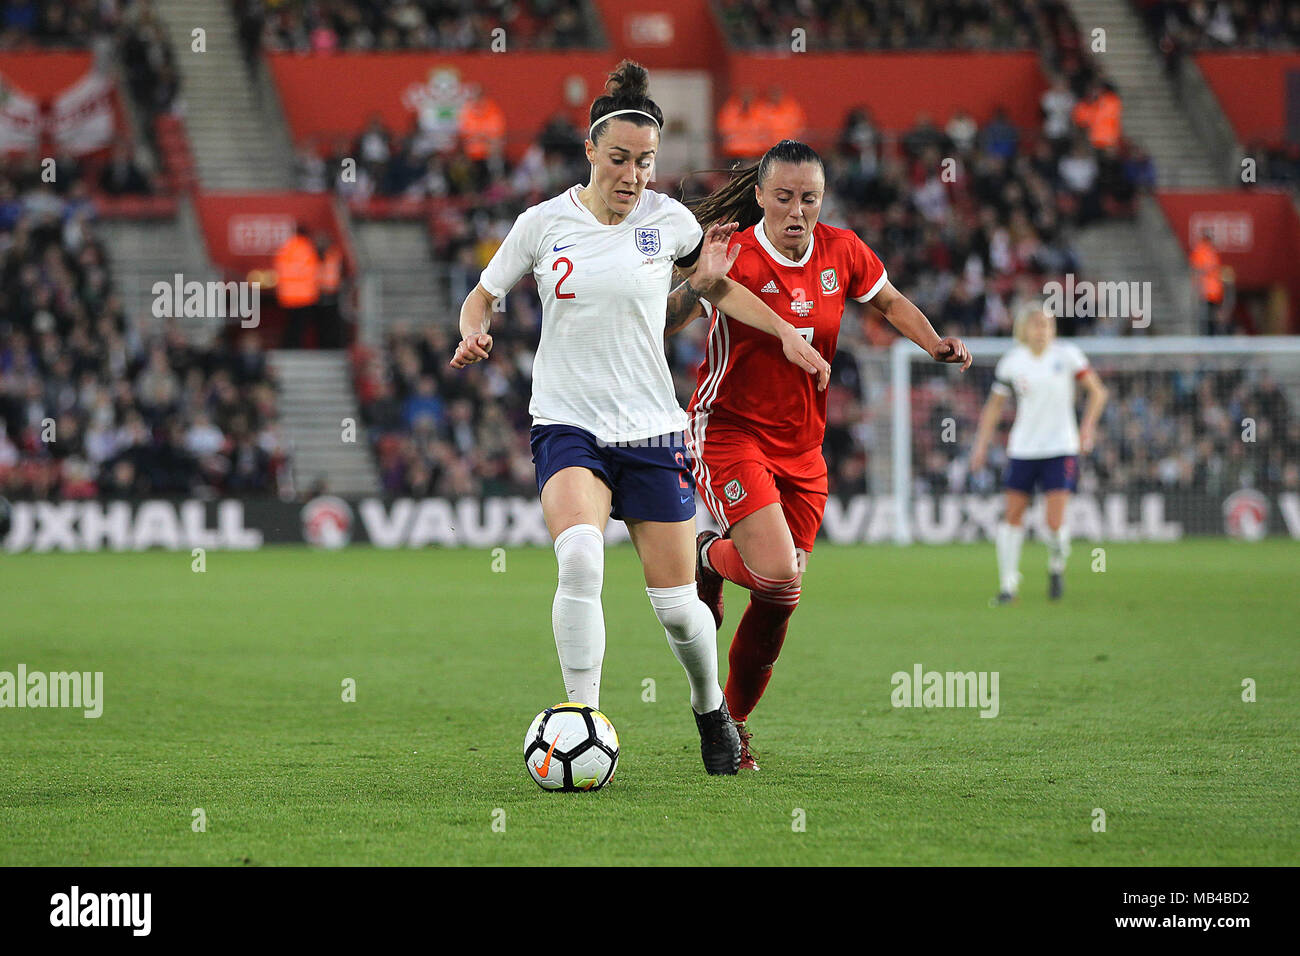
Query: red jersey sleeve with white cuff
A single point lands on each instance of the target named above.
(867, 271)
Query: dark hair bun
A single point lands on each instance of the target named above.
(627, 89)
(630, 80)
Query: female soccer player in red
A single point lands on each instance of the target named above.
(757, 423)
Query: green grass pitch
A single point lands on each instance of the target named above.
(223, 692)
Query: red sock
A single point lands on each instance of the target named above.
(724, 557)
(756, 646)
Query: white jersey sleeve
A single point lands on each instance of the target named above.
(1075, 360)
(687, 232)
(1002, 377)
(516, 256)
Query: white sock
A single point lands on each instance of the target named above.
(694, 640)
(1009, 539)
(1058, 549)
(576, 615)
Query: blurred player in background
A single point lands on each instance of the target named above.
(1045, 441)
(607, 429)
(756, 425)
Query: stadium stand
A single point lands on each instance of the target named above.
(967, 252)
(837, 25)
(129, 27)
(1178, 27)
(1256, 26)
(411, 24)
(1278, 165)
(93, 402)
(967, 249)
(1178, 433)
(91, 407)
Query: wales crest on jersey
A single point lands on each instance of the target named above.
(734, 490)
(647, 241)
(830, 281)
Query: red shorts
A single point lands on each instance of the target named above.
(736, 477)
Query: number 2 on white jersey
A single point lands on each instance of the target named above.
(556, 265)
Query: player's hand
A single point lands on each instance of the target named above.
(715, 257)
(473, 349)
(798, 351)
(952, 351)
(1087, 438)
(977, 459)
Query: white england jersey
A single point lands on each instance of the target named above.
(1045, 425)
(604, 291)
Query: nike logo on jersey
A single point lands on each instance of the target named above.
(562, 248)
(770, 287)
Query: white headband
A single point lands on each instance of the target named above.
(617, 113)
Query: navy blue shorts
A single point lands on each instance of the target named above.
(651, 481)
(1050, 474)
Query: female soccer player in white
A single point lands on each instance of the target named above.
(607, 433)
(1043, 448)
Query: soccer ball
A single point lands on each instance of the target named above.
(571, 747)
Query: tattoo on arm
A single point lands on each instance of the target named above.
(683, 302)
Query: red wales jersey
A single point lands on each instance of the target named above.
(745, 381)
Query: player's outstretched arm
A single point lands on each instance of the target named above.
(475, 316)
(988, 421)
(911, 321)
(701, 277)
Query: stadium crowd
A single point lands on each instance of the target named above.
(1179, 26)
(966, 248)
(130, 27)
(967, 242)
(887, 24)
(329, 25)
(966, 251)
(1277, 165)
(132, 32)
(55, 23)
(91, 407)
(1175, 429)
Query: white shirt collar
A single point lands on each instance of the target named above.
(778, 257)
(573, 192)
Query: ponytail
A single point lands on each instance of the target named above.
(736, 201)
(733, 202)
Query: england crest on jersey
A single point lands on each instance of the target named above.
(647, 241)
